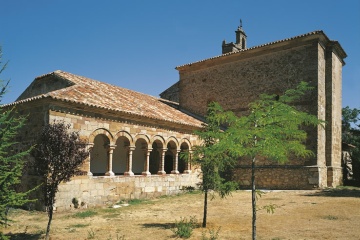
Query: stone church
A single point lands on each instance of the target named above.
(135, 140)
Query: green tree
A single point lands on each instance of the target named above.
(272, 129)
(58, 156)
(351, 135)
(213, 161)
(11, 158)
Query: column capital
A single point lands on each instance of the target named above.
(130, 148)
(112, 146)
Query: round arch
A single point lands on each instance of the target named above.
(143, 137)
(187, 141)
(174, 140)
(101, 131)
(125, 134)
(158, 138)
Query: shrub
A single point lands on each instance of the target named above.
(75, 202)
(214, 234)
(184, 227)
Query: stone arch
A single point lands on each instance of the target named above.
(144, 137)
(125, 134)
(173, 139)
(172, 146)
(187, 141)
(158, 138)
(123, 141)
(158, 145)
(184, 156)
(142, 145)
(99, 154)
(98, 132)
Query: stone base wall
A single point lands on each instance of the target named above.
(334, 176)
(102, 191)
(282, 177)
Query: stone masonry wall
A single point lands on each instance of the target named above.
(100, 191)
(234, 84)
(236, 80)
(280, 177)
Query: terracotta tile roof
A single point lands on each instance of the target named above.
(263, 45)
(98, 94)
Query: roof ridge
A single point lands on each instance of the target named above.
(258, 46)
(60, 72)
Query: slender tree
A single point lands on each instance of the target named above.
(11, 158)
(272, 129)
(213, 161)
(58, 156)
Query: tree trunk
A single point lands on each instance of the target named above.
(205, 209)
(253, 195)
(50, 213)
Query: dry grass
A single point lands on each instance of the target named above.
(327, 214)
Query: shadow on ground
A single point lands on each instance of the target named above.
(23, 236)
(159, 225)
(337, 192)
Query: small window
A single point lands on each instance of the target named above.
(243, 43)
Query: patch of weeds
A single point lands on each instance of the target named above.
(91, 234)
(188, 188)
(164, 196)
(40, 231)
(122, 201)
(78, 225)
(184, 227)
(108, 210)
(214, 234)
(137, 201)
(330, 217)
(269, 208)
(118, 237)
(85, 214)
(276, 238)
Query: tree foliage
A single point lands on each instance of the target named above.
(351, 135)
(58, 155)
(11, 158)
(273, 129)
(213, 161)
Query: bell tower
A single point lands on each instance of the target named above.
(240, 37)
(240, 43)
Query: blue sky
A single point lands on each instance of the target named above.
(137, 44)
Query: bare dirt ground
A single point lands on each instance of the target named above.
(325, 214)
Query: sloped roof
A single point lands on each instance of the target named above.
(82, 90)
(318, 32)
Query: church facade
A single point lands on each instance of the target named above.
(135, 140)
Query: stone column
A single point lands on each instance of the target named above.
(162, 161)
(176, 162)
(188, 165)
(129, 171)
(89, 148)
(146, 170)
(110, 172)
